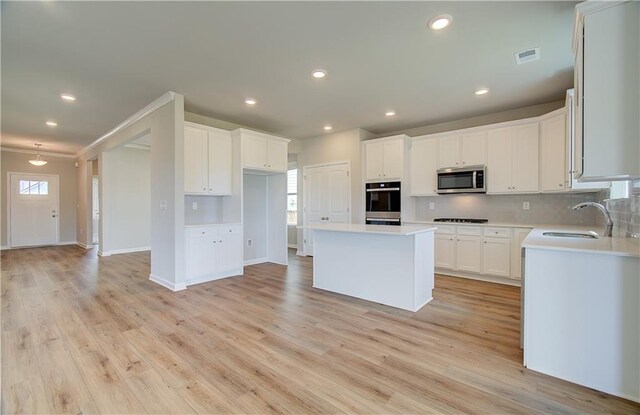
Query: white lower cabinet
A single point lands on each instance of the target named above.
(468, 253)
(482, 250)
(213, 252)
(445, 251)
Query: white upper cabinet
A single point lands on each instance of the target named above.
(263, 152)
(607, 95)
(207, 160)
(553, 169)
(512, 159)
(423, 165)
(460, 150)
(384, 159)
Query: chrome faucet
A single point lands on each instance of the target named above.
(609, 229)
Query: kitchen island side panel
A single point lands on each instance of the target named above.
(374, 267)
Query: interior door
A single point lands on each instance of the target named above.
(33, 214)
(327, 198)
(95, 208)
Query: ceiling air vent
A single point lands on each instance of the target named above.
(527, 56)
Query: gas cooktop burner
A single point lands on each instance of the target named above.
(461, 220)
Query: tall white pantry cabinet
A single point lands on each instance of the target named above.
(218, 165)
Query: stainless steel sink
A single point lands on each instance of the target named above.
(588, 235)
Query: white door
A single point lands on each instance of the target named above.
(219, 163)
(445, 251)
(375, 159)
(254, 151)
(499, 160)
(95, 209)
(496, 256)
(33, 210)
(474, 148)
(276, 155)
(423, 167)
(553, 170)
(468, 253)
(525, 156)
(393, 159)
(195, 160)
(327, 192)
(449, 151)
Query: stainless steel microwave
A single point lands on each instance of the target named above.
(470, 179)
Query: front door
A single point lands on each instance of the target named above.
(33, 210)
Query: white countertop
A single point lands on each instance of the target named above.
(497, 224)
(604, 246)
(195, 225)
(371, 229)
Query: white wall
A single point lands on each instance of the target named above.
(166, 128)
(126, 202)
(64, 167)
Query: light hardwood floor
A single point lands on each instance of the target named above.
(83, 334)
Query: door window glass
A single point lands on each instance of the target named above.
(31, 187)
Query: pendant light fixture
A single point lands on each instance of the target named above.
(38, 160)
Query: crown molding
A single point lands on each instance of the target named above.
(42, 153)
(158, 103)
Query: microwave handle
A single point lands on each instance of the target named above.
(475, 174)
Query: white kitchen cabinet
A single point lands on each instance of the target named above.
(468, 253)
(212, 252)
(460, 150)
(263, 152)
(607, 90)
(207, 160)
(384, 158)
(496, 256)
(512, 159)
(445, 251)
(574, 147)
(553, 169)
(516, 251)
(423, 166)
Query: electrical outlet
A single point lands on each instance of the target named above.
(249, 242)
(163, 205)
(432, 205)
(525, 205)
(194, 206)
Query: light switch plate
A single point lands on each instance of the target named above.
(525, 205)
(432, 205)
(194, 206)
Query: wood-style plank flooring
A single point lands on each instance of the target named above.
(94, 335)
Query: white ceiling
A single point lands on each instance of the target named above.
(117, 57)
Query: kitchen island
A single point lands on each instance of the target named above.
(391, 265)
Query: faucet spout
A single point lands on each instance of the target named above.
(609, 227)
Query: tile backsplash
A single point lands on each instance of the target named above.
(546, 208)
(626, 213)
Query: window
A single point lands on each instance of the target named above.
(292, 197)
(30, 187)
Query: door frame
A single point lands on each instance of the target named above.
(305, 232)
(9, 201)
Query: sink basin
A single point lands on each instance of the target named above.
(588, 235)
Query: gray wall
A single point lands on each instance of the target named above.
(544, 208)
(63, 167)
(126, 201)
(504, 116)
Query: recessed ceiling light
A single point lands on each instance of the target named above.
(52, 123)
(250, 101)
(68, 97)
(482, 91)
(319, 73)
(440, 22)
(328, 128)
(390, 113)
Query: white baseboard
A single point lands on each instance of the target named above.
(255, 261)
(479, 277)
(207, 278)
(294, 246)
(168, 284)
(300, 253)
(6, 247)
(124, 251)
(85, 246)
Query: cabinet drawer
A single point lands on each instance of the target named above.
(445, 229)
(230, 229)
(202, 231)
(469, 230)
(497, 232)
